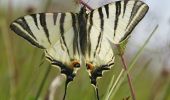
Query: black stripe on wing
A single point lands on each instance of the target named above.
(101, 18)
(100, 37)
(83, 37)
(44, 25)
(75, 29)
(23, 24)
(107, 10)
(55, 15)
(63, 41)
(135, 9)
(34, 16)
(89, 31)
(118, 11)
(99, 40)
(124, 8)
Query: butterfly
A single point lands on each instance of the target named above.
(67, 37)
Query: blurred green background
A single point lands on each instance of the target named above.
(24, 72)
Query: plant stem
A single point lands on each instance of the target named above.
(129, 78)
(85, 4)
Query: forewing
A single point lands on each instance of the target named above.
(42, 30)
(118, 19)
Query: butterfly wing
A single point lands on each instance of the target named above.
(100, 56)
(42, 30)
(118, 19)
(115, 22)
(56, 33)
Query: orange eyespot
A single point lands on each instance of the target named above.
(75, 64)
(89, 66)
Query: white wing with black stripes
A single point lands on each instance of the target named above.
(54, 32)
(118, 19)
(66, 36)
(57, 34)
(113, 21)
(43, 30)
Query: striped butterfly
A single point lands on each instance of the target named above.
(67, 37)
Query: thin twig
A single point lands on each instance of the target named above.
(129, 78)
(85, 4)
